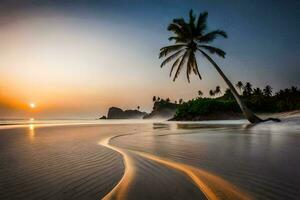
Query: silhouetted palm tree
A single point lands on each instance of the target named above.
(138, 107)
(154, 98)
(268, 91)
(257, 91)
(294, 90)
(191, 37)
(247, 89)
(211, 93)
(180, 101)
(200, 93)
(217, 90)
(239, 85)
(168, 100)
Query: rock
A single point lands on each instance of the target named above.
(118, 113)
(103, 117)
(162, 109)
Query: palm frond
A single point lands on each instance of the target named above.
(184, 27)
(196, 69)
(214, 50)
(175, 64)
(164, 51)
(170, 58)
(180, 65)
(192, 19)
(189, 67)
(211, 36)
(179, 27)
(201, 23)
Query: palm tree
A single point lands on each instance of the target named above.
(218, 90)
(180, 101)
(138, 107)
(200, 93)
(168, 100)
(247, 89)
(295, 90)
(239, 85)
(257, 91)
(211, 93)
(191, 37)
(268, 90)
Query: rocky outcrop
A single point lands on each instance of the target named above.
(118, 113)
(162, 110)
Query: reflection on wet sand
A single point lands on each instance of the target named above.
(212, 186)
(120, 190)
(31, 133)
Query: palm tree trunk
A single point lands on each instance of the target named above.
(251, 117)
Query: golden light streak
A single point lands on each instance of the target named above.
(31, 132)
(212, 186)
(120, 191)
(208, 183)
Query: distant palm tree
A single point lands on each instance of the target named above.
(168, 100)
(180, 101)
(154, 98)
(257, 91)
(191, 37)
(294, 90)
(200, 93)
(247, 89)
(239, 85)
(211, 93)
(138, 107)
(218, 90)
(268, 90)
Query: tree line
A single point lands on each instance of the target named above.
(259, 99)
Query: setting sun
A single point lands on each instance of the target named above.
(32, 105)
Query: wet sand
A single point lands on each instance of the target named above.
(151, 161)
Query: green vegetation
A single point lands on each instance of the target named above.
(204, 107)
(166, 103)
(257, 99)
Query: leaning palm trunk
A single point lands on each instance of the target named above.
(246, 111)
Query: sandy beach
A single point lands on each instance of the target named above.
(151, 160)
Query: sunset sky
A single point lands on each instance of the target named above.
(75, 59)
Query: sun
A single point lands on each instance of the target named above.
(32, 105)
